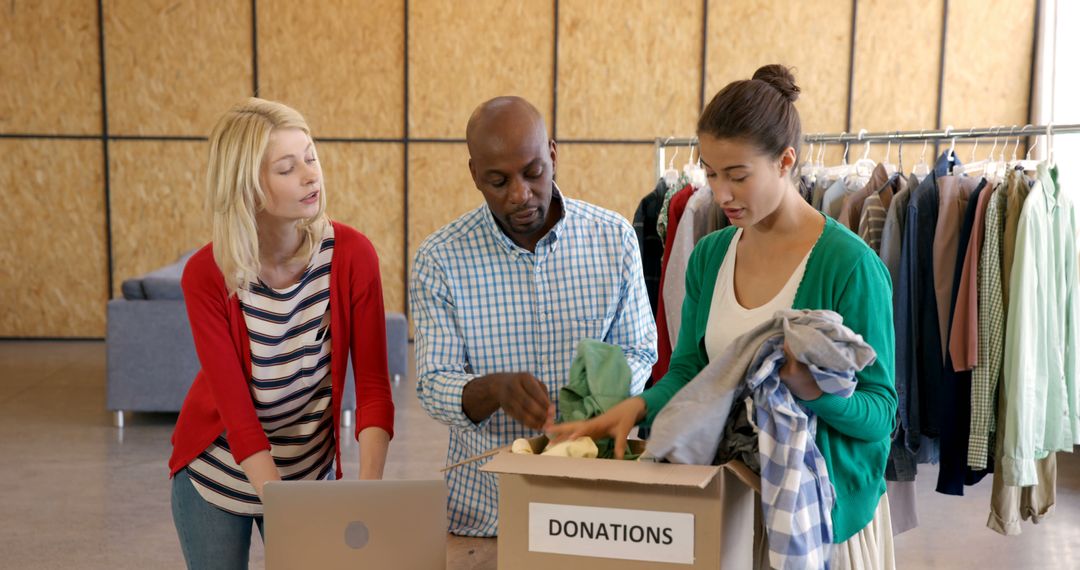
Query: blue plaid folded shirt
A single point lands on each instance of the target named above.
(482, 305)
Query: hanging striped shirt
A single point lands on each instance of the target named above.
(290, 387)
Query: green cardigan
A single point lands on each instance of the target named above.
(842, 275)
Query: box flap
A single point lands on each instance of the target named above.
(641, 472)
(752, 480)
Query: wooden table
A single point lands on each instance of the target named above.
(465, 553)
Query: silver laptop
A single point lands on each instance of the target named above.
(355, 524)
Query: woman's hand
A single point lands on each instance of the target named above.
(796, 375)
(260, 470)
(615, 423)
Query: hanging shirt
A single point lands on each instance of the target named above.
(665, 341)
(953, 472)
(650, 243)
(833, 199)
(875, 210)
(1040, 369)
(964, 336)
(482, 305)
(953, 195)
(689, 230)
(991, 340)
(852, 205)
(892, 233)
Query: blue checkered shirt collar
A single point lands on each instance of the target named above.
(549, 240)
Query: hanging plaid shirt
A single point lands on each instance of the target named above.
(991, 340)
(483, 305)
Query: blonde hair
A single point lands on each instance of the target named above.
(237, 147)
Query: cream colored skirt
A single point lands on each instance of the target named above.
(872, 547)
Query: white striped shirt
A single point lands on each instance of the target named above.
(290, 387)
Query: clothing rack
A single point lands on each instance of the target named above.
(949, 133)
(664, 143)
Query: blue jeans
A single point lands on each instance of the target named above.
(209, 537)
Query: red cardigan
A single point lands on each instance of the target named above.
(220, 400)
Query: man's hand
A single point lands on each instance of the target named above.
(520, 394)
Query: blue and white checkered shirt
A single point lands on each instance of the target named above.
(797, 496)
(483, 305)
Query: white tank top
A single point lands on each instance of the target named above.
(727, 318)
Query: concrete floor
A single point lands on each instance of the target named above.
(75, 492)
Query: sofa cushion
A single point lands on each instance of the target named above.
(164, 283)
(160, 284)
(132, 289)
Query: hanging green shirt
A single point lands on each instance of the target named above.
(1040, 371)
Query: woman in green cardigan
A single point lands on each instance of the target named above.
(782, 253)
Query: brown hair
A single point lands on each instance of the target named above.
(760, 110)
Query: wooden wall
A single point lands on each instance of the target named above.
(103, 165)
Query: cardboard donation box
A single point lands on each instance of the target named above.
(566, 513)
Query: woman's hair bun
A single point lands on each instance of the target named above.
(781, 78)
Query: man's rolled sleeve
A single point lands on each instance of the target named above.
(441, 365)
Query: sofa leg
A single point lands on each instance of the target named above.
(118, 419)
(346, 418)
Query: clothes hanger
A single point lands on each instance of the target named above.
(1028, 164)
(671, 175)
(890, 168)
(922, 170)
(819, 164)
(694, 172)
(864, 167)
(973, 165)
(806, 168)
(843, 169)
(950, 158)
(1050, 145)
(1000, 165)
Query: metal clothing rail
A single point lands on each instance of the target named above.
(949, 133)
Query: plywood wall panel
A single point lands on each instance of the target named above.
(898, 51)
(158, 203)
(440, 189)
(615, 177)
(53, 264)
(629, 69)
(463, 53)
(173, 67)
(988, 65)
(365, 189)
(812, 37)
(340, 65)
(50, 72)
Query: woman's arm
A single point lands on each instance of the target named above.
(866, 306)
(260, 469)
(207, 309)
(374, 442)
(374, 403)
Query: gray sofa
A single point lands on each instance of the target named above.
(150, 355)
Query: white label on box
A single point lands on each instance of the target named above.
(627, 534)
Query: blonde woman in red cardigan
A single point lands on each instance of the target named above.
(277, 302)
